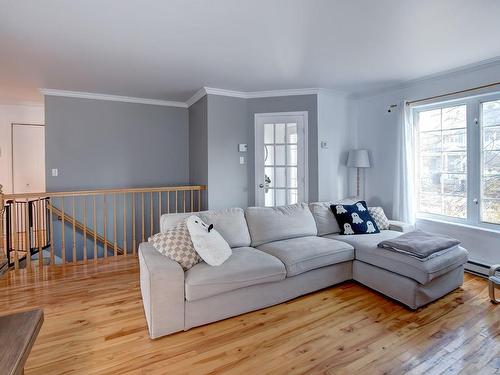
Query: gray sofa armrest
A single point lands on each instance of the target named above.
(162, 289)
(400, 226)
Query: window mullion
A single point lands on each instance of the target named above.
(473, 162)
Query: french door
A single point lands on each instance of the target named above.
(280, 158)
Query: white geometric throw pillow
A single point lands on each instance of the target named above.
(379, 217)
(176, 244)
(207, 242)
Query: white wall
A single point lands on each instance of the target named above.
(29, 114)
(376, 129)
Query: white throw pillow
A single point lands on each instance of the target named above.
(378, 215)
(175, 243)
(207, 242)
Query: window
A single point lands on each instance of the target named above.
(457, 160)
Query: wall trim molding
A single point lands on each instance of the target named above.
(114, 98)
(253, 94)
(193, 99)
(197, 96)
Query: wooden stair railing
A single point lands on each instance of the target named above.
(84, 228)
(109, 222)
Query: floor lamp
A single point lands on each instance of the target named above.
(358, 159)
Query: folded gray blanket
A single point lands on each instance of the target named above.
(419, 244)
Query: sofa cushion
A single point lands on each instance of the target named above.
(247, 266)
(230, 223)
(168, 221)
(267, 224)
(366, 249)
(324, 217)
(307, 253)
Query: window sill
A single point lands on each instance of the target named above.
(457, 224)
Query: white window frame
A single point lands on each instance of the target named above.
(474, 161)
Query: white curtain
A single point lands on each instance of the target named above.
(404, 195)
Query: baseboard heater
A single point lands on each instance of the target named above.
(477, 268)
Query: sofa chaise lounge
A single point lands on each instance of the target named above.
(281, 253)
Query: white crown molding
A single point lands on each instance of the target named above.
(252, 94)
(193, 99)
(197, 96)
(114, 98)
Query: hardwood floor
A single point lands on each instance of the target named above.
(94, 324)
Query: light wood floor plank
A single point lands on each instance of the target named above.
(94, 324)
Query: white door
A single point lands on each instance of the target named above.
(28, 158)
(280, 158)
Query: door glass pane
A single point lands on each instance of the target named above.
(292, 196)
(291, 133)
(268, 133)
(269, 177)
(292, 177)
(291, 154)
(268, 155)
(280, 197)
(269, 197)
(280, 155)
(280, 133)
(280, 177)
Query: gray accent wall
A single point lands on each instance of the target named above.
(227, 127)
(107, 144)
(198, 145)
(230, 121)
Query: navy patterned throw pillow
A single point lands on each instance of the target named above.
(354, 218)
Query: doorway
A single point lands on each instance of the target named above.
(280, 158)
(28, 158)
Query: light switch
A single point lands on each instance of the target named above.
(55, 172)
(242, 160)
(242, 147)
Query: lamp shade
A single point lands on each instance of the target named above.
(358, 159)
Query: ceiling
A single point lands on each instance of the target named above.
(167, 50)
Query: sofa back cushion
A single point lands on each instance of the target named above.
(168, 221)
(268, 224)
(229, 222)
(324, 217)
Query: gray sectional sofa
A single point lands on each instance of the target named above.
(278, 254)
